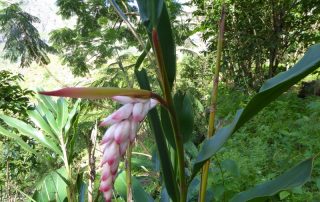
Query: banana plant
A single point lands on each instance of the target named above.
(55, 130)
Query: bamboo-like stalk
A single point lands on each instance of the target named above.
(213, 106)
(172, 112)
(128, 173)
(91, 155)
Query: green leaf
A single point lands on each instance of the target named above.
(137, 191)
(98, 93)
(52, 187)
(62, 116)
(167, 44)
(230, 166)
(29, 131)
(40, 122)
(71, 115)
(284, 194)
(49, 103)
(16, 137)
(183, 106)
(53, 123)
(47, 113)
(150, 11)
(167, 127)
(270, 90)
(164, 30)
(154, 121)
(296, 176)
(164, 197)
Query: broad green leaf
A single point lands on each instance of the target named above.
(29, 131)
(52, 187)
(164, 196)
(49, 103)
(183, 106)
(150, 11)
(138, 192)
(39, 121)
(193, 189)
(98, 93)
(62, 115)
(16, 137)
(270, 90)
(154, 121)
(167, 44)
(71, 115)
(42, 108)
(167, 127)
(165, 36)
(294, 177)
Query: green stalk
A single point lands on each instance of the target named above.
(213, 107)
(172, 112)
(70, 189)
(128, 173)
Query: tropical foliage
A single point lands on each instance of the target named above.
(223, 124)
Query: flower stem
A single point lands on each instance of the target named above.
(172, 112)
(213, 107)
(128, 173)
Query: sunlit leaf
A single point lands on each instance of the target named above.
(52, 187)
(40, 122)
(71, 115)
(18, 140)
(49, 103)
(62, 115)
(29, 131)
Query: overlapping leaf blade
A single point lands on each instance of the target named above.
(149, 11)
(16, 137)
(29, 131)
(49, 102)
(40, 122)
(183, 106)
(52, 187)
(49, 117)
(272, 89)
(71, 115)
(296, 176)
(62, 115)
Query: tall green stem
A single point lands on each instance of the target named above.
(128, 173)
(172, 112)
(213, 107)
(70, 189)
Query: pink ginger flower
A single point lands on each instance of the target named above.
(123, 125)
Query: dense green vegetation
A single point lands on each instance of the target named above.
(50, 147)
